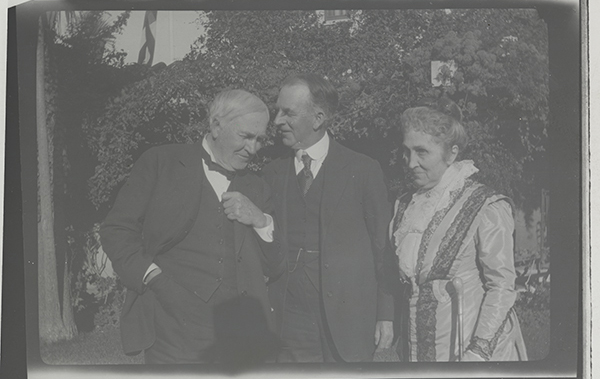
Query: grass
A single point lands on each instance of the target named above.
(101, 346)
(533, 311)
(535, 326)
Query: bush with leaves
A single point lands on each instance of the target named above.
(98, 293)
(533, 311)
(82, 69)
(380, 63)
(109, 313)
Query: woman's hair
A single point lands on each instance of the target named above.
(322, 93)
(440, 119)
(233, 103)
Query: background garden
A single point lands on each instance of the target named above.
(101, 114)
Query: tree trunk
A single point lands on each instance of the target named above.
(67, 315)
(51, 327)
(62, 248)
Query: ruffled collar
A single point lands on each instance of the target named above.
(425, 203)
(453, 178)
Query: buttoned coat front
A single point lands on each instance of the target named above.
(354, 216)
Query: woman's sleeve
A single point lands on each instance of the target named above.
(494, 244)
(392, 223)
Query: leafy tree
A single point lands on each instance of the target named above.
(77, 71)
(380, 63)
(502, 86)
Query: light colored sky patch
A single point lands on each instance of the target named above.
(176, 31)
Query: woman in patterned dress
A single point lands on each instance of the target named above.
(451, 226)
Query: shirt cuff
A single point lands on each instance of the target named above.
(151, 268)
(266, 232)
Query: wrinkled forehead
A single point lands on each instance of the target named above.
(236, 110)
(418, 138)
(253, 122)
(294, 96)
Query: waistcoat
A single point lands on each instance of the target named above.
(303, 213)
(205, 258)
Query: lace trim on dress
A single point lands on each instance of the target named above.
(427, 207)
(485, 348)
(455, 235)
(446, 253)
(425, 323)
(480, 347)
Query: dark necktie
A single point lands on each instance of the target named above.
(213, 166)
(305, 176)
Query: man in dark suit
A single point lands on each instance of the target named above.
(188, 238)
(333, 213)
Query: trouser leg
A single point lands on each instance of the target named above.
(184, 325)
(304, 334)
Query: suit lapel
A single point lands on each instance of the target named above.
(192, 161)
(279, 180)
(189, 185)
(285, 178)
(335, 179)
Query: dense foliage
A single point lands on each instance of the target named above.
(105, 114)
(84, 70)
(380, 63)
(87, 71)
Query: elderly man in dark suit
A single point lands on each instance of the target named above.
(190, 234)
(333, 212)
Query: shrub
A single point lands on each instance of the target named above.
(533, 310)
(98, 293)
(109, 313)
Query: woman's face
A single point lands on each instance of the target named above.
(426, 158)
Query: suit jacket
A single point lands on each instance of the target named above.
(154, 211)
(354, 216)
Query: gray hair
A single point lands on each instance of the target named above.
(229, 104)
(444, 128)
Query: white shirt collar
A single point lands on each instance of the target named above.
(207, 148)
(220, 184)
(317, 152)
(218, 181)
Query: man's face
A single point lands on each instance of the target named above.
(297, 118)
(236, 141)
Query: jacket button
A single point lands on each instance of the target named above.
(329, 293)
(326, 265)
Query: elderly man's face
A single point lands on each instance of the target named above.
(237, 140)
(297, 118)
